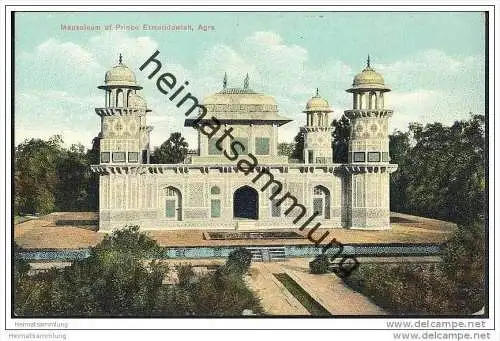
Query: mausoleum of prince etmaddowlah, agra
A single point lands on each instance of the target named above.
(209, 191)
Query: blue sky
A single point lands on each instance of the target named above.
(433, 61)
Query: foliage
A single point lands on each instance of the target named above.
(285, 149)
(49, 177)
(298, 146)
(117, 280)
(129, 240)
(319, 265)
(441, 170)
(173, 150)
(35, 175)
(239, 260)
(340, 136)
(456, 286)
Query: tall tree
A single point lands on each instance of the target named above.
(173, 150)
(399, 149)
(73, 177)
(340, 137)
(443, 173)
(298, 148)
(36, 175)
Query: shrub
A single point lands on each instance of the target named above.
(319, 265)
(239, 260)
(456, 286)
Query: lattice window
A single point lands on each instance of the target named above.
(262, 145)
(212, 148)
(215, 208)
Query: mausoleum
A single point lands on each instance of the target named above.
(209, 191)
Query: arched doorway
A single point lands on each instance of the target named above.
(173, 203)
(246, 203)
(321, 201)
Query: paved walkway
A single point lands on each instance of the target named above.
(328, 290)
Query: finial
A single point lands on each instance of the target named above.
(317, 92)
(120, 59)
(368, 61)
(246, 82)
(224, 82)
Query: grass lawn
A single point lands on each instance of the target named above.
(301, 295)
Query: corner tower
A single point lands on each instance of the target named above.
(368, 168)
(124, 133)
(318, 131)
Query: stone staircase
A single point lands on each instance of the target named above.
(268, 254)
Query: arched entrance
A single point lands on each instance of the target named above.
(321, 201)
(173, 203)
(246, 203)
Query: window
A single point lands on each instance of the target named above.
(170, 208)
(359, 157)
(212, 148)
(385, 157)
(275, 208)
(244, 142)
(262, 146)
(215, 208)
(215, 202)
(118, 156)
(373, 157)
(173, 203)
(318, 205)
(133, 157)
(105, 157)
(321, 201)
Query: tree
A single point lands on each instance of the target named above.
(239, 260)
(49, 177)
(320, 264)
(35, 176)
(173, 150)
(122, 277)
(441, 170)
(399, 149)
(114, 280)
(455, 286)
(298, 148)
(73, 178)
(285, 149)
(340, 136)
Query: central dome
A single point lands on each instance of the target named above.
(243, 100)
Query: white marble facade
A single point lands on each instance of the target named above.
(210, 191)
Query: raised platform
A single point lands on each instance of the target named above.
(46, 233)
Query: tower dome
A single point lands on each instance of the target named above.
(368, 79)
(317, 104)
(120, 76)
